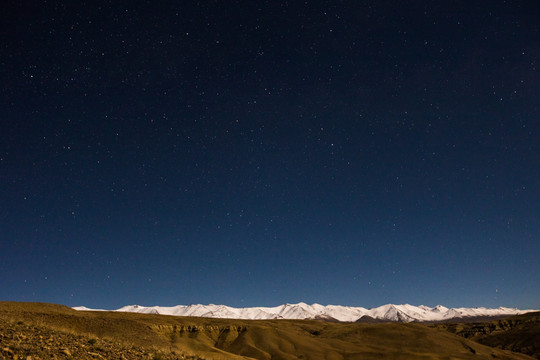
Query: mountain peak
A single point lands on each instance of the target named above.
(301, 310)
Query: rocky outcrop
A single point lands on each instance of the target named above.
(19, 341)
(518, 334)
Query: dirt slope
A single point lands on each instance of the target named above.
(47, 331)
(517, 333)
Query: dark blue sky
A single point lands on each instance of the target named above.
(254, 153)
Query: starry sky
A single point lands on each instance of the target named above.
(253, 153)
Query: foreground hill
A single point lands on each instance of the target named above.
(44, 331)
(517, 333)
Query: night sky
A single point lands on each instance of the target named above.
(253, 153)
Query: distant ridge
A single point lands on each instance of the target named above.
(303, 311)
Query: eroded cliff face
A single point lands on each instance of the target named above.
(200, 328)
(518, 334)
(473, 330)
(196, 337)
(220, 335)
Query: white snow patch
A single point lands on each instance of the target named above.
(389, 312)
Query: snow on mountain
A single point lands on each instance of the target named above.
(389, 312)
(345, 313)
(84, 308)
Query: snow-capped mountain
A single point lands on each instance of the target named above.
(402, 313)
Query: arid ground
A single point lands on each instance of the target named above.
(31, 331)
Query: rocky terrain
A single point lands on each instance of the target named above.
(517, 333)
(31, 331)
(19, 341)
(43, 331)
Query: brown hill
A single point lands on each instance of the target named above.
(519, 333)
(43, 331)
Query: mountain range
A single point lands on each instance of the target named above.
(303, 311)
